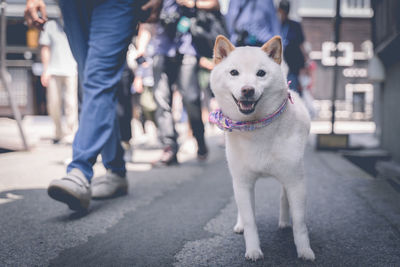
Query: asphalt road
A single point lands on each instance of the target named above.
(184, 215)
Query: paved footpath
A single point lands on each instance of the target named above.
(184, 215)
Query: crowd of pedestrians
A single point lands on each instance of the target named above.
(112, 68)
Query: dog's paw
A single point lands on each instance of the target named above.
(306, 254)
(284, 225)
(254, 254)
(238, 228)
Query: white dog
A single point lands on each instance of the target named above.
(266, 134)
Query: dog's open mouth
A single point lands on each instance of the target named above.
(246, 106)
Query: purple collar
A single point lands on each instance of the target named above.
(226, 124)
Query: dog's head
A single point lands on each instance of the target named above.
(247, 81)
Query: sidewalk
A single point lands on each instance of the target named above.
(52, 159)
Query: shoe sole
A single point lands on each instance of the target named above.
(60, 194)
(202, 157)
(159, 163)
(122, 191)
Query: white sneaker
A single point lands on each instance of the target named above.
(73, 190)
(109, 186)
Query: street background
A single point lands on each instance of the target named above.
(184, 215)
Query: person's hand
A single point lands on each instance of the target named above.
(206, 63)
(44, 79)
(138, 84)
(186, 3)
(155, 7)
(32, 9)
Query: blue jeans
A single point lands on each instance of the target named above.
(99, 33)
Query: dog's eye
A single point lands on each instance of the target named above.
(234, 72)
(260, 73)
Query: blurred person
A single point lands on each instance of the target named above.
(144, 79)
(307, 81)
(124, 111)
(176, 61)
(292, 41)
(140, 62)
(99, 33)
(144, 85)
(60, 79)
(251, 22)
(206, 65)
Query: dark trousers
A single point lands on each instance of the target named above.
(181, 70)
(124, 107)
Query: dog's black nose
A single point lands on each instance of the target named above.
(247, 91)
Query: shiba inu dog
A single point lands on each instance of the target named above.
(266, 134)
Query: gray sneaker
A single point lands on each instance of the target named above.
(73, 190)
(109, 185)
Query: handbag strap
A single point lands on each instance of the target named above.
(217, 13)
(195, 6)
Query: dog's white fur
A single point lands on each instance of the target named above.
(276, 150)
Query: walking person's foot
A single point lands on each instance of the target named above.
(73, 190)
(202, 150)
(109, 186)
(202, 153)
(167, 158)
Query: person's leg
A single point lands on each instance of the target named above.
(76, 16)
(111, 30)
(188, 85)
(54, 103)
(74, 189)
(124, 107)
(124, 112)
(163, 98)
(71, 103)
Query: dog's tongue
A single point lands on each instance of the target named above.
(246, 105)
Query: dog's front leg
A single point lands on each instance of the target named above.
(284, 218)
(296, 194)
(244, 195)
(238, 228)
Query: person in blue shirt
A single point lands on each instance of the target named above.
(176, 62)
(292, 41)
(251, 22)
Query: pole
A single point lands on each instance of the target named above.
(337, 23)
(4, 76)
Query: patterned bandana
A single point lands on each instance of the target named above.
(226, 124)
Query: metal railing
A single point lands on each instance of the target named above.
(5, 76)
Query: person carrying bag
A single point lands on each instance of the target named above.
(205, 26)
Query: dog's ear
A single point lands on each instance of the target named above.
(222, 48)
(274, 49)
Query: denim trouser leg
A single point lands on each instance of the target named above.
(76, 16)
(111, 27)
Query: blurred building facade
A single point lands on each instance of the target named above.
(23, 62)
(354, 93)
(386, 39)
